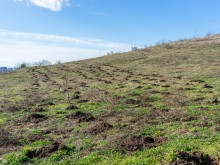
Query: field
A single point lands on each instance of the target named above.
(158, 105)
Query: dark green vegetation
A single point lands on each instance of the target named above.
(159, 105)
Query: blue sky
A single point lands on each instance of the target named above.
(68, 30)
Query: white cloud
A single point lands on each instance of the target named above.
(53, 5)
(30, 47)
(91, 42)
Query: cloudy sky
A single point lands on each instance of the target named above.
(69, 30)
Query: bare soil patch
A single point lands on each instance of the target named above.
(35, 137)
(61, 131)
(194, 158)
(45, 151)
(198, 81)
(40, 109)
(81, 117)
(83, 101)
(11, 108)
(215, 101)
(7, 139)
(132, 101)
(76, 96)
(207, 86)
(99, 128)
(71, 107)
(35, 118)
(137, 143)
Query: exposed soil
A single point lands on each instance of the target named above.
(35, 118)
(207, 86)
(50, 103)
(41, 109)
(83, 101)
(81, 116)
(199, 99)
(166, 86)
(194, 158)
(189, 89)
(132, 101)
(62, 131)
(215, 101)
(182, 117)
(137, 143)
(99, 128)
(109, 114)
(199, 81)
(12, 108)
(35, 137)
(7, 139)
(76, 96)
(45, 151)
(77, 92)
(203, 124)
(47, 103)
(71, 107)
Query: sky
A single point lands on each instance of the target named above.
(70, 30)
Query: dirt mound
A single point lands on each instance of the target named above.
(35, 118)
(99, 128)
(7, 139)
(45, 151)
(81, 116)
(137, 143)
(194, 158)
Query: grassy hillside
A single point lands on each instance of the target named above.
(159, 105)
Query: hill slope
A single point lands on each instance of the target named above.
(158, 105)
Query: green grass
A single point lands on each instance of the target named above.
(165, 101)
